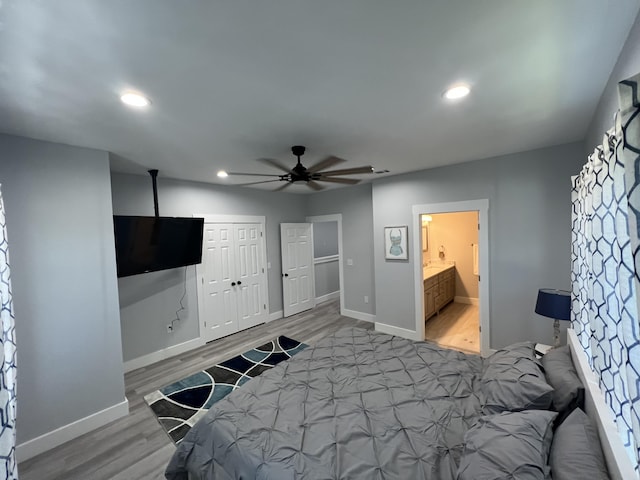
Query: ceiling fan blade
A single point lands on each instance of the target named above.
(275, 163)
(254, 183)
(347, 181)
(314, 185)
(279, 189)
(326, 163)
(348, 171)
(254, 174)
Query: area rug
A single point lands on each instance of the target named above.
(180, 405)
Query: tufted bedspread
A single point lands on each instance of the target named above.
(357, 405)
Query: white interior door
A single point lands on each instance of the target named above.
(250, 275)
(220, 305)
(298, 288)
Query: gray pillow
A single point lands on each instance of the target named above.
(568, 392)
(508, 446)
(575, 451)
(513, 380)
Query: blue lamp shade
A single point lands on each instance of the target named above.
(554, 304)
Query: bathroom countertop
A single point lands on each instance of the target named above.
(434, 269)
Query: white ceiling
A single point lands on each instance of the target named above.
(233, 81)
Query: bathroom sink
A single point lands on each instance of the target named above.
(431, 270)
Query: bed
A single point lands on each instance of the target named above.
(362, 404)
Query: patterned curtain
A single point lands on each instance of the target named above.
(604, 278)
(629, 95)
(8, 465)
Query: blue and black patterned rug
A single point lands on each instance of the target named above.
(180, 405)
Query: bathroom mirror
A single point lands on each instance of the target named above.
(425, 238)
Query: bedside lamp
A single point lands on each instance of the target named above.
(554, 304)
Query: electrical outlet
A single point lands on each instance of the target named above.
(169, 328)
(366, 299)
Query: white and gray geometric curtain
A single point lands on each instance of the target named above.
(8, 467)
(604, 277)
(629, 96)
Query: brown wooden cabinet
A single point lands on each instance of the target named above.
(430, 294)
(449, 285)
(438, 291)
(429, 303)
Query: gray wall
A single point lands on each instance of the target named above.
(325, 244)
(58, 206)
(529, 234)
(149, 301)
(354, 203)
(628, 64)
(325, 239)
(327, 277)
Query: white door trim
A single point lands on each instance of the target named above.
(217, 218)
(336, 217)
(482, 207)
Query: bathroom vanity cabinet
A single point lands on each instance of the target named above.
(439, 288)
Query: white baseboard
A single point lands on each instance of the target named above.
(365, 317)
(397, 331)
(467, 300)
(327, 297)
(41, 444)
(168, 352)
(275, 316)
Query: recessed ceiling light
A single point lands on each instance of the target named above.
(134, 99)
(457, 91)
(223, 174)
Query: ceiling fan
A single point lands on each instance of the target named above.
(312, 175)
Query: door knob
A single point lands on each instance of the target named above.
(286, 274)
(233, 284)
(239, 282)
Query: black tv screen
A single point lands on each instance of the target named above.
(149, 244)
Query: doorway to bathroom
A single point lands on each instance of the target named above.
(327, 259)
(450, 279)
(452, 274)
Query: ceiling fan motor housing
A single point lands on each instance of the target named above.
(299, 173)
(298, 150)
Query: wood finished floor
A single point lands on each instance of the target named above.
(136, 447)
(455, 327)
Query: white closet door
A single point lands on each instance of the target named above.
(219, 278)
(298, 287)
(250, 275)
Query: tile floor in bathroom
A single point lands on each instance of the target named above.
(455, 327)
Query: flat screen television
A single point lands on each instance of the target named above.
(149, 244)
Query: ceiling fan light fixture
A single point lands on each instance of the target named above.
(457, 91)
(134, 99)
(222, 174)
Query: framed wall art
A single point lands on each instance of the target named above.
(395, 243)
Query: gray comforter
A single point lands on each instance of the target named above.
(358, 404)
